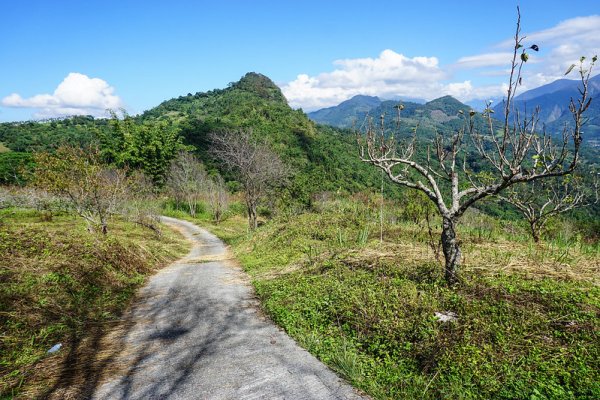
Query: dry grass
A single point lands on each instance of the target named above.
(532, 261)
(61, 284)
(488, 258)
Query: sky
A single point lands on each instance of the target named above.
(64, 57)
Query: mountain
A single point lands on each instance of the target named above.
(323, 158)
(344, 114)
(553, 101)
(437, 115)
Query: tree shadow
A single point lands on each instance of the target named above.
(159, 341)
(193, 334)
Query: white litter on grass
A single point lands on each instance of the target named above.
(446, 316)
(55, 348)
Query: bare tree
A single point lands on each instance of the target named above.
(256, 167)
(94, 190)
(543, 199)
(187, 180)
(140, 206)
(447, 175)
(218, 197)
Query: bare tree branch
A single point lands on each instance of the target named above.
(257, 168)
(516, 152)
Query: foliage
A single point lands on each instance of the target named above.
(48, 135)
(14, 166)
(94, 190)
(321, 156)
(530, 332)
(149, 146)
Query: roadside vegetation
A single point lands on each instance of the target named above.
(61, 283)
(524, 320)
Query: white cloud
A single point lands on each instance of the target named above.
(578, 29)
(560, 46)
(393, 75)
(500, 59)
(77, 94)
(389, 75)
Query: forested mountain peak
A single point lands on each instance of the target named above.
(448, 103)
(252, 92)
(260, 85)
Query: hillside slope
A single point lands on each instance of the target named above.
(323, 158)
(344, 114)
(553, 102)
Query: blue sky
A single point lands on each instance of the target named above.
(65, 57)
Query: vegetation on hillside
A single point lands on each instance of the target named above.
(523, 323)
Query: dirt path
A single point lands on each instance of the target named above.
(195, 333)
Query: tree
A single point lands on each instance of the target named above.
(187, 180)
(140, 205)
(149, 146)
(94, 190)
(218, 198)
(14, 167)
(543, 199)
(514, 152)
(257, 168)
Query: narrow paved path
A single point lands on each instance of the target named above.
(196, 333)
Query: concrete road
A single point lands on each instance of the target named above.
(196, 333)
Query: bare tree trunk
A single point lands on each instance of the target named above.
(192, 204)
(451, 249)
(535, 231)
(252, 215)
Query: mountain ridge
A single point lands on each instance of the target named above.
(553, 100)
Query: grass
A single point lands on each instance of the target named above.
(528, 322)
(58, 282)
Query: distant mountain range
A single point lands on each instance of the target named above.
(343, 115)
(553, 100)
(437, 115)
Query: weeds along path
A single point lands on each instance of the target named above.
(195, 332)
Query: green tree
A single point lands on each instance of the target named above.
(14, 167)
(149, 146)
(94, 190)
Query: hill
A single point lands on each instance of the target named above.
(553, 102)
(324, 158)
(345, 113)
(437, 115)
